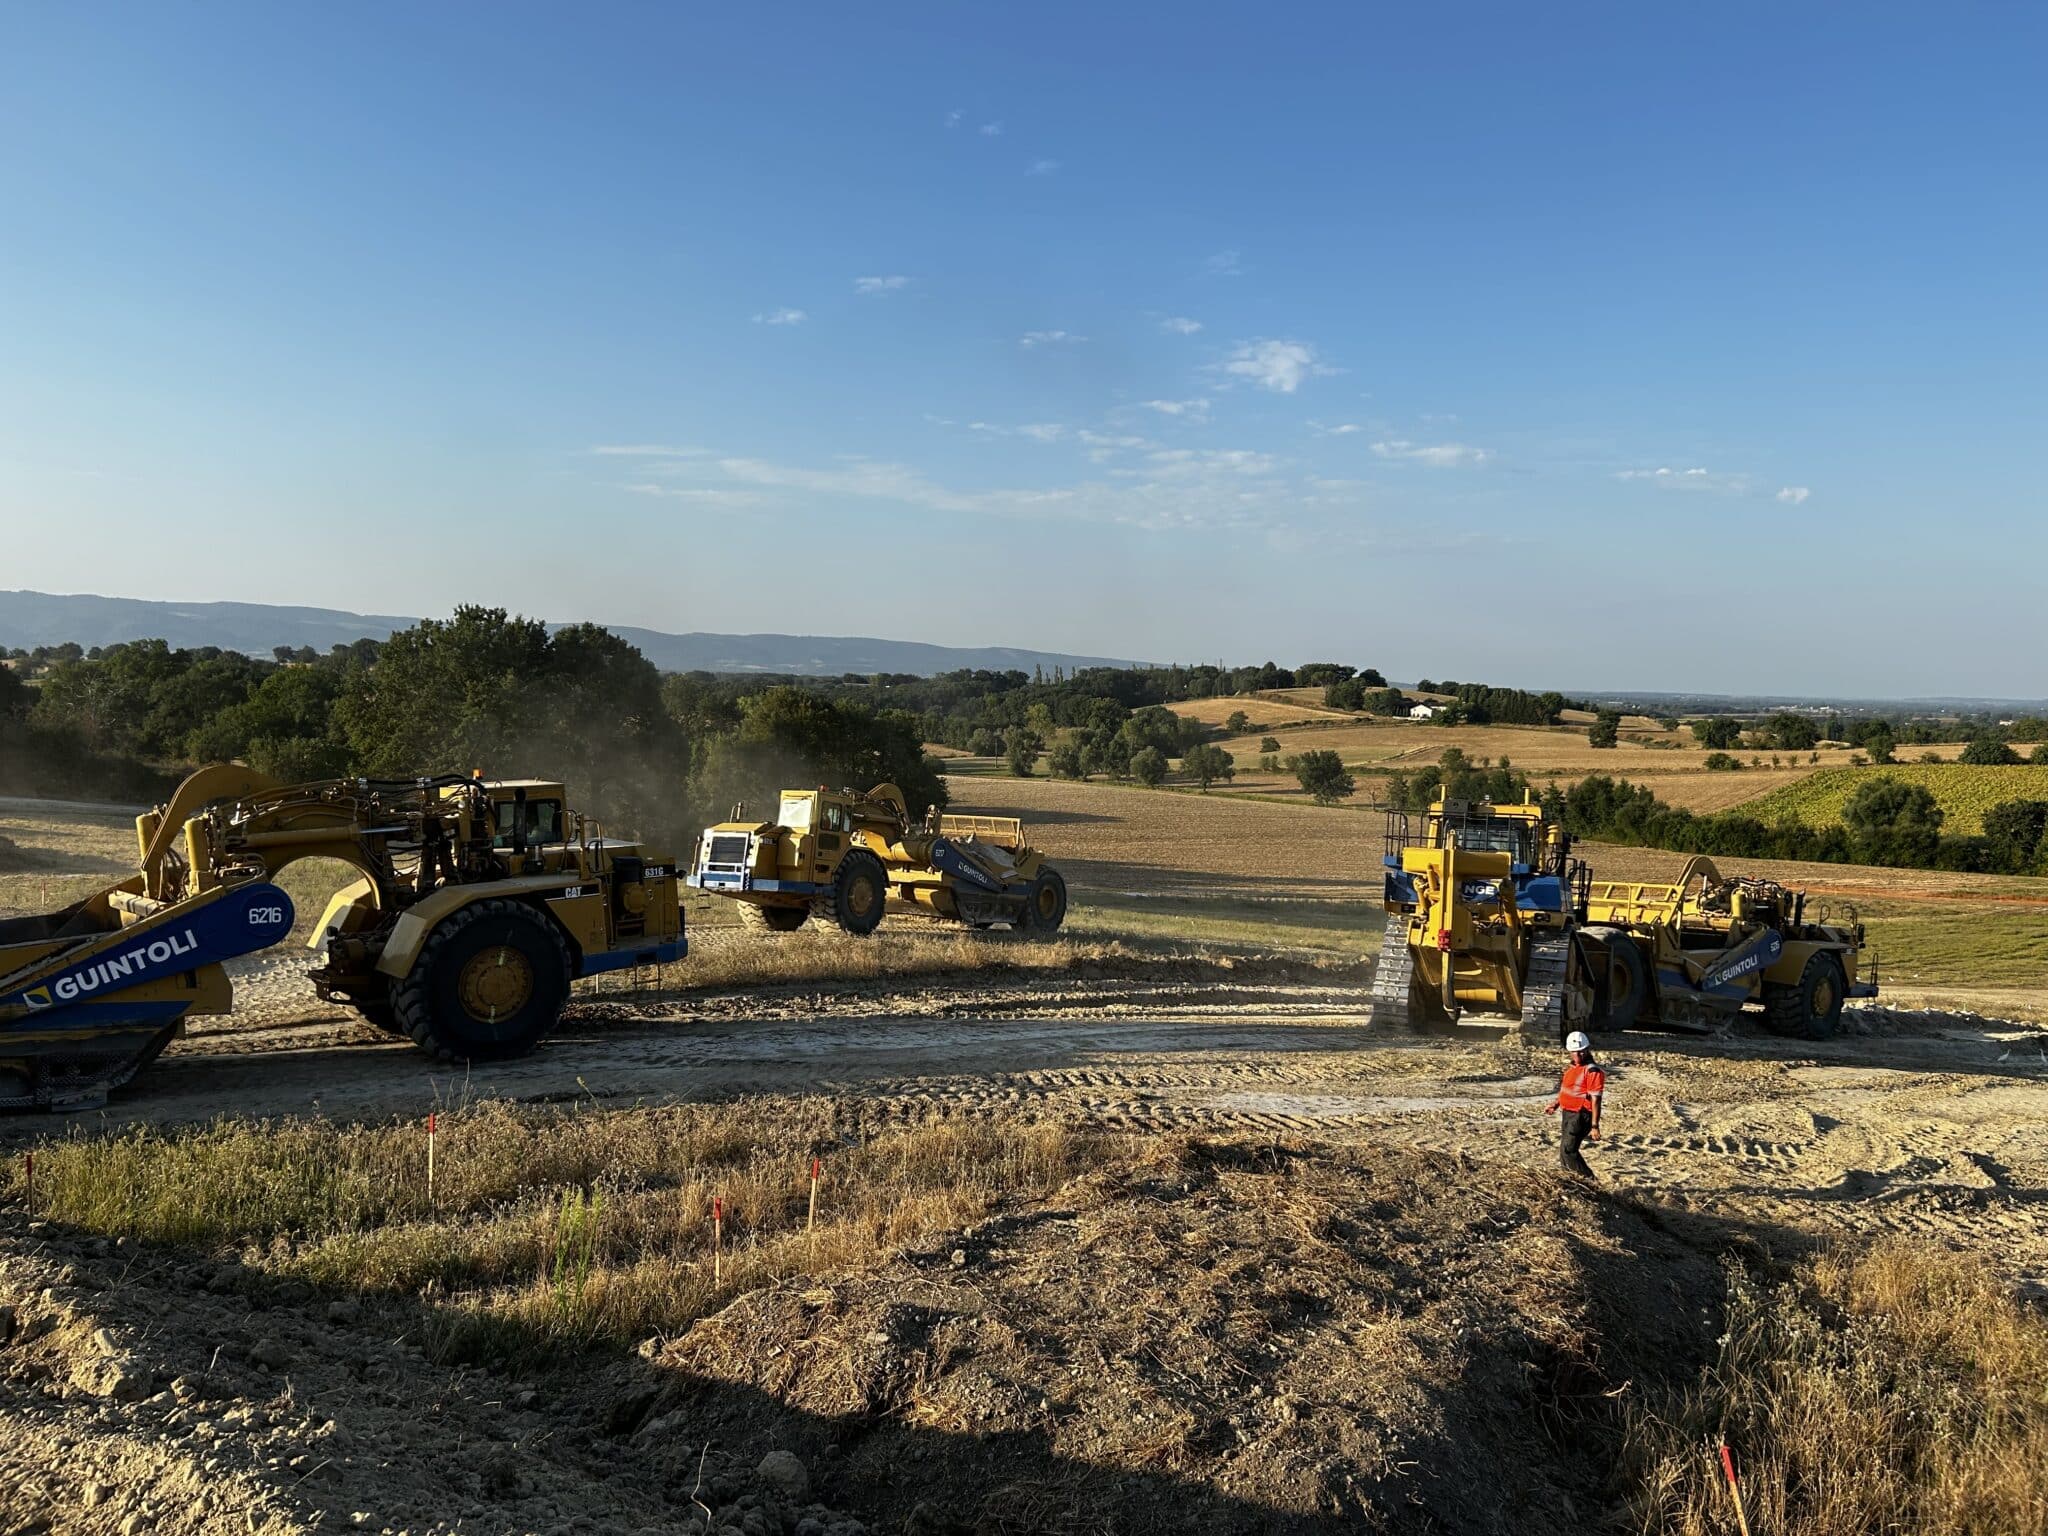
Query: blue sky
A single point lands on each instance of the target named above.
(1632, 346)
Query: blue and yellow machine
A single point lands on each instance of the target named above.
(1482, 903)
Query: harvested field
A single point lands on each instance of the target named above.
(1264, 711)
(1116, 839)
(1676, 772)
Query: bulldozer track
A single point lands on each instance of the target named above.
(1393, 976)
(1543, 990)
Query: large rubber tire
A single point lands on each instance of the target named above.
(1045, 905)
(1812, 1009)
(460, 1004)
(773, 919)
(857, 895)
(1618, 1007)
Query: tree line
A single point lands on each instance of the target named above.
(1887, 821)
(658, 755)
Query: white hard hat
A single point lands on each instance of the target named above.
(1577, 1041)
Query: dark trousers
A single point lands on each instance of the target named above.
(1573, 1124)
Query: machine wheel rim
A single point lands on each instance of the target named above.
(860, 895)
(1824, 997)
(495, 984)
(1048, 900)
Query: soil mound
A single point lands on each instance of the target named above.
(1227, 1337)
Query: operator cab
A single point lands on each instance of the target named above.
(1516, 831)
(526, 812)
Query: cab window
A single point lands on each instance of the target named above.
(795, 813)
(837, 820)
(541, 821)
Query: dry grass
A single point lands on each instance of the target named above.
(1895, 1390)
(904, 946)
(564, 1227)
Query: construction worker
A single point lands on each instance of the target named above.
(1578, 1100)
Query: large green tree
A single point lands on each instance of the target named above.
(1322, 774)
(497, 692)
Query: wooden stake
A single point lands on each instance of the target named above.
(811, 1224)
(1734, 1488)
(717, 1239)
(28, 1183)
(430, 1159)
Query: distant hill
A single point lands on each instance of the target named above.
(30, 619)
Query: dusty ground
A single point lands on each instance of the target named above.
(1336, 1285)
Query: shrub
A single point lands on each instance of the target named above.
(1148, 766)
(1238, 723)
(1269, 744)
(1721, 762)
(1989, 752)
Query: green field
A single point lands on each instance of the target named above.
(1964, 792)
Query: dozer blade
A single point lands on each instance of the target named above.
(81, 1013)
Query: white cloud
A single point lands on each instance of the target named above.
(991, 130)
(781, 317)
(1173, 489)
(708, 496)
(854, 477)
(890, 284)
(1102, 446)
(1180, 325)
(1181, 463)
(1041, 167)
(1436, 455)
(1048, 338)
(646, 451)
(1225, 264)
(1280, 366)
(1043, 431)
(953, 118)
(1334, 428)
(1195, 409)
(1696, 478)
(1794, 494)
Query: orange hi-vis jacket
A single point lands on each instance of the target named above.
(1582, 1087)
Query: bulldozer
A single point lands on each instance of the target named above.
(478, 903)
(1481, 904)
(1692, 954)
(839, 856)
(1488, 913)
